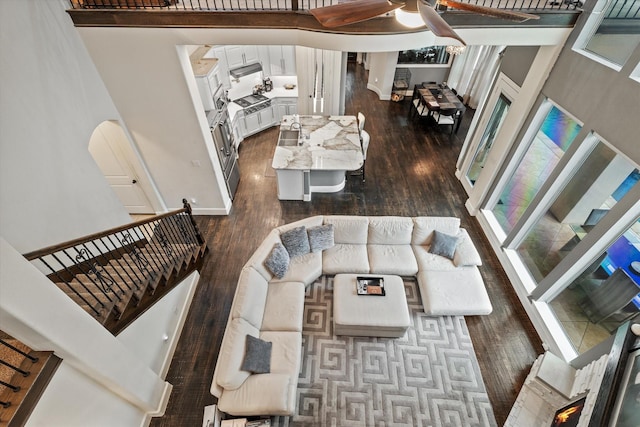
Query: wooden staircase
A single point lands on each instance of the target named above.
(24, 374)
(118, 274)
(115, 276)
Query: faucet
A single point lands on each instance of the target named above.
(296, 121)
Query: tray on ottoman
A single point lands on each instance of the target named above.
(369, 315)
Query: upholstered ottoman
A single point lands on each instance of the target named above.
(454, 292)
(369, 315)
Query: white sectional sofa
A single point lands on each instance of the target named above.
(271, 308)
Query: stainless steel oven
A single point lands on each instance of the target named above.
(226, 150)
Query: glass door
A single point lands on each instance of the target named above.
(486, 142)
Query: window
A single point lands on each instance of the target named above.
(552, 140)
(602, 179)
(611, 34)
(604, 296)
(425, 55)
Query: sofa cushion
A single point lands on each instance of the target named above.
(286, 352)
(352, 230)
(277, 262)
(443, 244)
(390, 230)
(251, 398)
(257, 356)
(320, 237)
(466, 252)
(305, 268)
(308, 222)
(424, 226)
(251, 296)
(345, 258)
(260, 255)
(296, 241)
(284, 307)
(392, 259)
(428, 261)
(232, 351)
(460, 292)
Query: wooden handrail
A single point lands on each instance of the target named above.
(65, 245)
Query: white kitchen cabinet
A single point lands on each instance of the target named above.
(291, 184)
(208, 83)
(286, 107)
(237, 56)
(282, 60)
(223, 69)
(262, 119)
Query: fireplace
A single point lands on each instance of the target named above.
(569, 415)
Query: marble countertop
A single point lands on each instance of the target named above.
(328, 143)
(238, 91)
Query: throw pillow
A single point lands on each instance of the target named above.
(443, 244)
(257, 356)
(278, 260)
(296, 241)
(320, 237)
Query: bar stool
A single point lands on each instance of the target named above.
(361, 120)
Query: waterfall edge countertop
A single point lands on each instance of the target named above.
(327, 143)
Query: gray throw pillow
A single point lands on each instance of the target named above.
(443, 244)
(320, 237)
(257, 356)
(278, 261)
(296, 241)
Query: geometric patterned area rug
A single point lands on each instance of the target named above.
(429, 377)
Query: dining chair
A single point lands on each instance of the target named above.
(423, 84)
(361, 119)
(446, 117)
(365, 138)
(417, 106)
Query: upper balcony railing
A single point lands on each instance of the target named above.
(294, 5)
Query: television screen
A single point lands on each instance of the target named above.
(569, 415)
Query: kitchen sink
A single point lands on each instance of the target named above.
(288, 138)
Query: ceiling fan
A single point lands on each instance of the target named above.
(347, 13)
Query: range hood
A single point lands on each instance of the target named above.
(245, 70)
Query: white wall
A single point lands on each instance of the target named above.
(382, 67)
(52, 99)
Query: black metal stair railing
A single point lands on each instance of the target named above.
(8, 350)
(107, 272)
(293, 5)
(24, 375)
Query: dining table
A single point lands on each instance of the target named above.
(438, 97)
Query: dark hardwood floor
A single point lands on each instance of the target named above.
(410, 172)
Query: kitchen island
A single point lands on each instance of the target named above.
(313, 154)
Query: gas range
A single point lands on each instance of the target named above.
(249, 100)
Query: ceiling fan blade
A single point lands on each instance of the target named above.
(436, 24)
(354, 11)
(511, 15)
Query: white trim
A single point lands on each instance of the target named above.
(182, 312)
(381, 96)
(588, 31)
(163, 402)
(212, 211)
(327, 188)
(504, 86)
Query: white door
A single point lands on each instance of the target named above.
(105, 147)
